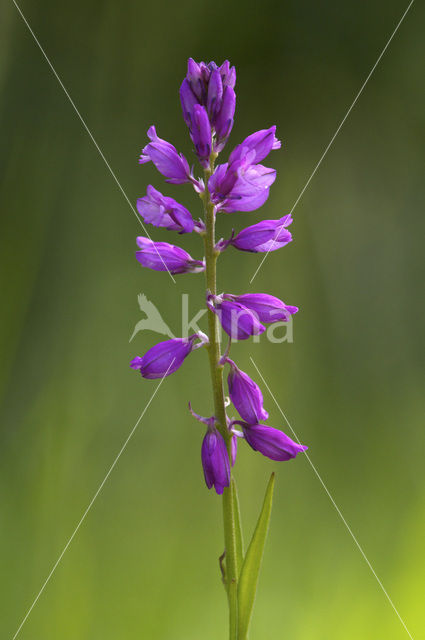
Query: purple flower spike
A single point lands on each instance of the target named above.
(167, 160)
(264, 236)
(200, 132)
(162, 211)
(215, 460)
(246, 395)
(162, 256)
(261, 142)
(165, 357)
(237, 321)
(267, 308)
(272, 443)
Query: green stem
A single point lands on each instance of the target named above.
(214, 351)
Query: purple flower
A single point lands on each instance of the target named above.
(237, 321)
(260, 142)
(200, 132)
(162, 256)
(215, 460)
(166, 357)
(264, 236)
(162, 211)
(211, 424)
(246, 395)
(240, 186)
(267, 308)
(167, 160)
(272, 443)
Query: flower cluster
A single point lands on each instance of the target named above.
(241, 184)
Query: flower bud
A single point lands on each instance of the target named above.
(215, 460)
(267, 235)
(196, 77)
(223, 122)
(267, 308)
(200, 132)
(162, 256)
(237, 321)
(272, 443)
(211, 87)
(246, 395)
(164, 358)
(228, 74)
(215, 94)
(261, 142)
(162, 211)
(188, 101)
(167, 160)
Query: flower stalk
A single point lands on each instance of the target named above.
(214, 352)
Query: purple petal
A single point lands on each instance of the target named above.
(162, 211)
(228, 74)
(244, 203)
(162, 256)
(223, 123)
(215, 94)
(166, 159)
(136, 363)
(261, 142)
(237, 321)
(188, 101)
(264, 234)
(164, 358)
(240, 186)
(194, 77)
(246, 395)
(267, 308)
(201, 134)
(272, 443)
(215, 461)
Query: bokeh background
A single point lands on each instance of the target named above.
(144, 562)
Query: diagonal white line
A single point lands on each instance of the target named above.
(347, 526)
(336, 132)
(89, 133)
(83, 517)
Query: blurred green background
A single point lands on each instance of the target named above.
(144, 563)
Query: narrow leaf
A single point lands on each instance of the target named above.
(238, 527)
(251, 567)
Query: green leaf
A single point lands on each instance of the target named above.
(238, 527)
(251, 567)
